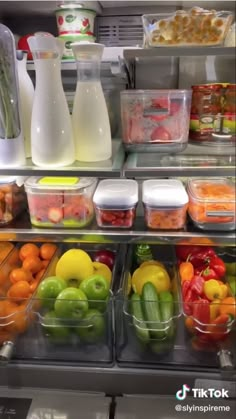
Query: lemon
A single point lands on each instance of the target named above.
(157, 275)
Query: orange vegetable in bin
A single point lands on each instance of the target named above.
(47, 251)
(228, 306)
(186, 271)
(19, 291)
(189, 323)
(20, 274)
(219, 328)
(28, 249)
(32, 264)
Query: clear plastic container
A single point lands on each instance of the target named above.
(16, 292)
(155, 120)
(115, 203)
(60, 201)
(140, 341)
(12, 199)
(165, 204)
(212, 203)
(187, 28)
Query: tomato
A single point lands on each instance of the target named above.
(23, 45)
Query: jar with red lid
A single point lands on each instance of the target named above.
(229, 123)
(206, 111)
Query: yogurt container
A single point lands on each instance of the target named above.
(75, 21)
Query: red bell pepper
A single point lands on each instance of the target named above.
(209, 273)
(218, 329)
(218, 265)
(197, 284)
(201, 311)
(202, 258)
(185, 288)
(188, 297)
(184, 251)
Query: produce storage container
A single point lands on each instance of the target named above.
(64, 330)
(115, 202)
(165, 204)
(210, 318)
(12, 199)
(60, 201)
(155, 120)
(18, 285)
(75, 21)
(5, 249)
(212, 203)
(146, 329)
(187, 28)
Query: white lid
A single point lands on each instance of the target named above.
(116, 193)
(164, 193)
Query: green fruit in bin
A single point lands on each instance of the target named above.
(230, 269)
(71, 303)
(95, 287)
(139, 323)
(232, 284)
(92, 327)
(167, 311)
(152, 313)
(49, 289)
(54, 328)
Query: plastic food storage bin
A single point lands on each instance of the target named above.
(81, 333)
(187, 28)
(12, 199)
(60, 201)
(115, 202)
(18, 285)
(165, 204)
(212, 203)
(141, 340)
(155, 120)
(5, 249)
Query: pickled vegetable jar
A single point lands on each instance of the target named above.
(212, 203)
(229, 124)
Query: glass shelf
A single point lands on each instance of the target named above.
(193, 161)
(21, 230)
(131, 54)
(108, 168)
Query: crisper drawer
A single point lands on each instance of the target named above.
(161, 407)
(76, 326)
(44, 404)
(143, 340)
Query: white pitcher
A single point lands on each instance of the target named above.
(51, 128)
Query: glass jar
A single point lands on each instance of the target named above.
(229, 123)
(206, 111)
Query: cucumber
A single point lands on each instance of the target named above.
(141, 330)
(152, 310)
(167, 311)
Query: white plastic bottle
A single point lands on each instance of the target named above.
(51, 128)
(26, 92)
(90, 117)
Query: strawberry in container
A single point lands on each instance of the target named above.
(115, 202)
(155, 120)
(60, 202)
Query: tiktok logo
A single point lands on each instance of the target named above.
(182, 393)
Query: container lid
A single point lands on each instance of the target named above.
(59, 182)
(116, 193)
(7, 179)
(164, 193)
(212, 190)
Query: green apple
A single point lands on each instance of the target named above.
(54, 328)
(231, 268)
(49, 289)
(92, 327)
(95, 287)
(71, 303)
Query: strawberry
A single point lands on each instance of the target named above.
(160, 134)
(55, 215)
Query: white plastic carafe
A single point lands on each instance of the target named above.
(90, 117)
(26, 93)
(51, 128)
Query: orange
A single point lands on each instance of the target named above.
(32, 264)
(28, 249)
(189, 323)
(20, 274)
(40, 274)
(17, 319)
(5, 248)
(34, 285)
(19, 291)
(45, 263)
(228, 306)
(47, 251)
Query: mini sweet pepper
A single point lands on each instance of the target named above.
(214, 289)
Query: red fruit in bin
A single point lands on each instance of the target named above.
(53, 200)
(107, 217)
(55, 215)
(161, 134)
